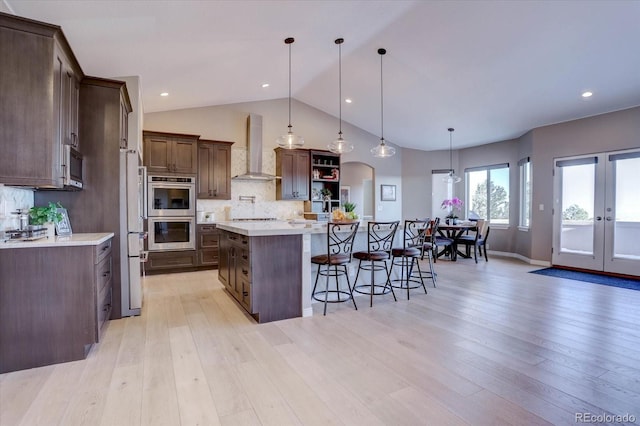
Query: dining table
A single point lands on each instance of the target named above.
(454, 232)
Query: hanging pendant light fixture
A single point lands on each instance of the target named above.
(382, 150)
(340, 146)
(451, 177)
(290, 141)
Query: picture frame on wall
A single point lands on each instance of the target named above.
(345, 194)
(387, 192)
(63, 227)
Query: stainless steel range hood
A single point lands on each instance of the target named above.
(254, 152)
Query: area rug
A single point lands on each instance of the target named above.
(590, 278)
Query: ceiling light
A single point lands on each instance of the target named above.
(290, 141)
(265, 85)
(164, 94)
(451, 177)
(340, 146)
(382, 150)
(348, 100)
(587, 94)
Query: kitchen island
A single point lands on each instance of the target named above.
(266, 266)
(55, 295)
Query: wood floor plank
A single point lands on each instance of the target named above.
(491, 344)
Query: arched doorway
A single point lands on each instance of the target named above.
(357, 183)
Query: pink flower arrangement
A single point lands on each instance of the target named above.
(454, 203)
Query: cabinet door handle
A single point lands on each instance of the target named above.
(245, 272)
(106, 274)
(245, 257)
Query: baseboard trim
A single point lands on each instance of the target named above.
(520, 257)
(307, 312)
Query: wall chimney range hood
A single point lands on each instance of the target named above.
(254, 152)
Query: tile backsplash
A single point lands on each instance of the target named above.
(263, 192)
(12, 199)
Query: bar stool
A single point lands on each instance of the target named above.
(379, 241)
(340, 237)
(407, 256)
(428, 247)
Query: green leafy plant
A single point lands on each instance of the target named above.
(349, 207)
(44, 214)
(326, 192)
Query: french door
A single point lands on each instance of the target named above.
(596, 220)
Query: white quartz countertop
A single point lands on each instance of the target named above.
(92, 239)
(293, 227)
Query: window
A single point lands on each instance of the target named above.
(440, 191)
(524, 166)
(488, 193)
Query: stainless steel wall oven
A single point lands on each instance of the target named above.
(171, 196)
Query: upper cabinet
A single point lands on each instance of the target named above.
(214, 170)
(293, 166)
(170, 153)
(39, 104)
(325, 181)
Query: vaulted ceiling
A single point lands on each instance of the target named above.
(491, 69)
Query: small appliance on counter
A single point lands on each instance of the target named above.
(30, 233)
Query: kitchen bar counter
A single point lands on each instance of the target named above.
(88, 239)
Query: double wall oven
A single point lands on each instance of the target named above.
(171, 210)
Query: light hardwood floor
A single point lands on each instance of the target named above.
(492, 344)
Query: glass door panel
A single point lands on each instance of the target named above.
(622, 214)
(578, 228)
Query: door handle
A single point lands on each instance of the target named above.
(609, 218)
(598, 218)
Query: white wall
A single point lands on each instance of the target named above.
(228, 123)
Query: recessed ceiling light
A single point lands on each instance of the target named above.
(265, 85)
(587, 94)
(164, 94)
(348, 100)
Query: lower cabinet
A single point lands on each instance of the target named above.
(53, 307)
(159, 262)
(263, 273)
(207, 237)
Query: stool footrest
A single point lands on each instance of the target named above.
(366, 289)
(331, 296)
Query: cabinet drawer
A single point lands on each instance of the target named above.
(171, 260)
(208, 241)
(207, 229)
(244, 269)
(245, 294)
(103, 273)
(102, 251)
(104, 309)
(208, 257)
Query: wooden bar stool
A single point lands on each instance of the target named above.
(340, 238)
(379, 241)
(407, 256)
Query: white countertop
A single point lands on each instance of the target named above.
(280, 227)
(92, 239)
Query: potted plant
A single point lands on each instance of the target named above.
(326, 194)
(454, 206)
(350, 210)
(46, 215)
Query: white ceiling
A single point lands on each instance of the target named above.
(491, 69)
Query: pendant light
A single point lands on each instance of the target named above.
(451, 177)
(290, 141)
(340, 146)
(382, 150)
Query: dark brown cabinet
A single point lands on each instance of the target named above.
(170, 153)
(261, 273)
(39, 107)
(106, 105)
(55, 303)
(325, 182)
(293, 166)
(214, 170)
(208, 245)
(159, 262)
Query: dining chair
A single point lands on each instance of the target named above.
(428, 245)
(340, 239)
(476, 241)
(441, 242)
(379, 242)
(407, 256)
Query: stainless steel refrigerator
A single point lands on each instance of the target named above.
(132, 215)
